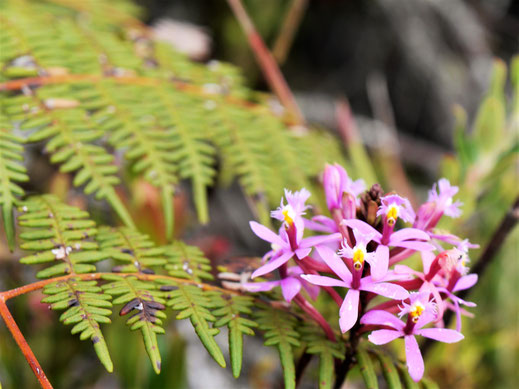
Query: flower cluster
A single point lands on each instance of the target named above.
(358, 252)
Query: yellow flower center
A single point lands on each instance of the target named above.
(416, 311)
(358, 258)
(288, 215)
(392, 214)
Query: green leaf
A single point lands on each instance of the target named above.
(317, 343)
(490, 124)
(193, 303)
(86, 306)
(12, 171)
(187, 262)
(279, 329)
(389, 371)
(230, 310)
(146, 302)
(60, 234)
(367, 370)
(137, 252)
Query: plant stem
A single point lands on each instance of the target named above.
(4, 296)
(266, 62)
(24, 346)
(286, 35)
(314, 313)
(351, 351)
(494, 245)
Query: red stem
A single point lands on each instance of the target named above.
(328, 289)
(314, 313)
(266, 62)
(24, 346)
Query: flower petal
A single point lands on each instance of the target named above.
(386, 289)
(363, 227)
(290, 287)
(466, 282)
(319, 239)
(260, 286)
(272, 264)
(349, 311)
(303, 252)
(414, 358)
(407, 234)
(441, 334)
(383, 318)
(384, 336)
(266, 234)
(323, 281)
(413, 245)
(335, 263)
(379, 263)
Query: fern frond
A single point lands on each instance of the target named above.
(230, 311)
(187, 262)
(145, 301)
(194, 156)
(136, 250)
(146, 145)
(86, 307)
(60, 234)
(317, 343)
(11, 172)
(194, 303)
(279, 329)
(71, 136)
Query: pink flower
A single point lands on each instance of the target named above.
(439, 202)
(291, 212)
(419, 314)
(336, 182)
(282, 249)
(409, 238)
(394, 207)
(290, 285)
(349, 311)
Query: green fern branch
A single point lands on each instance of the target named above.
(136, 250)
(146, 302)
(59, 234)
(230, 310)
(317, 343)
(86, 307)
(11, 172)
(195, 305)
(279, 329)
(187, 262)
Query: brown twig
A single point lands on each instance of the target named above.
(24, 346)
(266, 62)
(494, 245)
(288, 30)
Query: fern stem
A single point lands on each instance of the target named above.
(8, 294)
(266, 62)
(19, 84)
(24, 346)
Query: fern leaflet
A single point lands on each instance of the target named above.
(11, 173)
(230, 310)
(146, 302)
(187, 262)
(59, 233)
(86, 307)
(280, 331)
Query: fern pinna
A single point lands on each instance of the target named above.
(173, 119)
